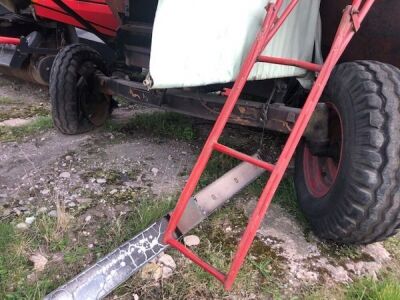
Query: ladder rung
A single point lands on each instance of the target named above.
(244, 157)
(191, 255)
(290, 62)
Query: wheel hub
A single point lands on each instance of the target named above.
(321, 166)
(95, 106)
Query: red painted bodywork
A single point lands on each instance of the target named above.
(97, 12)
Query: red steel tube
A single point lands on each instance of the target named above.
(9, 40)
(290, 62)
(247, 158)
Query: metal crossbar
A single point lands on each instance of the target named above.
(352, 18)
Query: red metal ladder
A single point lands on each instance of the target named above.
(353, 16)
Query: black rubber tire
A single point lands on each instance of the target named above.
(73, 64)
(363, 204)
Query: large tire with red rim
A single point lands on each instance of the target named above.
(77, 104)
(350, 191)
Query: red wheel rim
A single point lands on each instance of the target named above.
(320, 171)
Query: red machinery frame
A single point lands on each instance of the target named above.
(352, 18)
(9, 40)
(96, 12)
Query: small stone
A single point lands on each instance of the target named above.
(135, 296)
(114, 191)
(71, 204)
(6, 212)
(32, 278)
(155, 171)
(167, 261)
(17, 211)
(338, 274)
(65, 175)
(169, 157)
(52, 213)
(88, 218)
(191, 240)
(101, 180)
(22, 208)
(167, 272)
(184, 152)
(158, 274)
(90, 246)
(39, 262)
(68, 157)
(22, 226)
(57, 257)
(45, 192)
(83, 200)
(29, 220)
(228, 229)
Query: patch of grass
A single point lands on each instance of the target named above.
(218, 165)
(75, 255)
(393, 246)
(342, 253)
(163, 124)
(8, 100)
(368, 289)
(12, 109)
(18, 279)
(385, 287)
(38, 125)
(47, 232)
(144, 212)
(14, 265)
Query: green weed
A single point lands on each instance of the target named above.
(38, 125)
(163, 124)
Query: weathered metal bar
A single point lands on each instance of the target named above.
(102, 278)
(279, 117)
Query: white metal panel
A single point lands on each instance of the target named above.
(200, 42)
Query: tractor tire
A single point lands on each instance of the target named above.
(77, 104)
(350, 193)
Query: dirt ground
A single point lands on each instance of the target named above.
(70, 199)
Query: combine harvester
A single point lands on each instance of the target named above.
(256, 63)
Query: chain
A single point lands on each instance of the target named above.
(265, 118)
